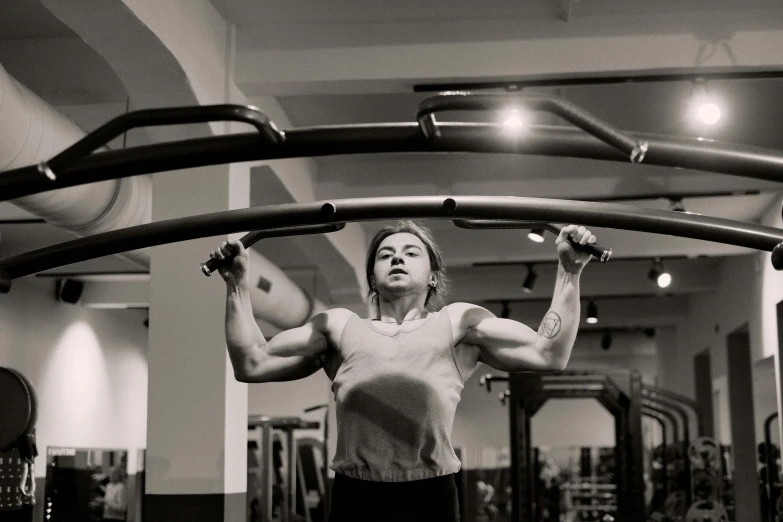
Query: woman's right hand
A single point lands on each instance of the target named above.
(234, 261)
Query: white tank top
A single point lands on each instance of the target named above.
(396, 396)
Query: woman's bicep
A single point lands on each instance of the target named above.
(289, 355)
(507, 345)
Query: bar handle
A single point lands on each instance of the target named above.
(158, 117)
(467, 101)
(599, 252)
(248, 239)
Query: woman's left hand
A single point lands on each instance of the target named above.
(573, 260)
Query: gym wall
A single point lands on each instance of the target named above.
(88, 367)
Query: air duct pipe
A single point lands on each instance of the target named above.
(32, 131)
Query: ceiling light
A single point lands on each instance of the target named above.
(606, 341)
(709, 113)
(536, 235)
(592, 312)
(506, 312)
(530, 280)
(512, 119)
(705, 108)
(659, 274)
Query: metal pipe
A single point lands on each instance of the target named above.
(669, 416)
(681, 399)
(724, 158)
(664, 460)
(467, 101)
(364, 209)
(157, 117)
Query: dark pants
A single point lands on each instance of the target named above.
(430, 500)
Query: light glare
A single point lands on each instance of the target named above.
(664, 280)
(709, 113)
(513, 120)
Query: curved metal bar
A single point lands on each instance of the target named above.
(601, 253)
(681, 399)
(367, 209)
(158, 117)
(251, 238)
(664, 459)
(723, 158)
(467, 101)
(669, 416)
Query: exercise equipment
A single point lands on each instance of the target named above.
(263, 429)
(253, 237)
(706, 511)
(79, 164)
(529, 392)
(18, 415)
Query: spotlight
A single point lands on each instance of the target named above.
(606, 341)
(592, 312)
(709, 113)
(69, 290)
(659, 274)
(512, 120)
(705, 109)
(530, 280)
(536, 235)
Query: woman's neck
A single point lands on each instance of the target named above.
(401, 310)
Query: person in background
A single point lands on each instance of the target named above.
(115, 496)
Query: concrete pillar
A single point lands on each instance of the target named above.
(197, 411)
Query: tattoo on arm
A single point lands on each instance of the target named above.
(550, 326)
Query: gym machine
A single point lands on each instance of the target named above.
(262, 434)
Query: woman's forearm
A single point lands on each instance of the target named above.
(243, 337)
(559, 327)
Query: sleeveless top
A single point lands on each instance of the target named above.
(396, 395)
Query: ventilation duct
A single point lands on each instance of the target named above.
(32, 131)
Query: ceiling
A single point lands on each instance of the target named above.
(333, 63)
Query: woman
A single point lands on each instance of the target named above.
(397, 377)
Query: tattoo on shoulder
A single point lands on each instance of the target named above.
(550, 326)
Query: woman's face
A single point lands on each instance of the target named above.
(402, 266)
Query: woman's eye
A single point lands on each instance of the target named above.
(412, 254)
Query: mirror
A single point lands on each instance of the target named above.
(85, 484)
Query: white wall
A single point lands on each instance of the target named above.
(88, 367)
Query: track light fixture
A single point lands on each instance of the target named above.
(506, 312)
(659, 274)
(530, 280)
(675, 205)
(592, 312)
(606, 341)
(536, 235)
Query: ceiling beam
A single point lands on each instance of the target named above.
(653, 45)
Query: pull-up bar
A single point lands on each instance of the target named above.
(511, 209)
(76, 166)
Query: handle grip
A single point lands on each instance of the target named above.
(248, 239)
(599, 252)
